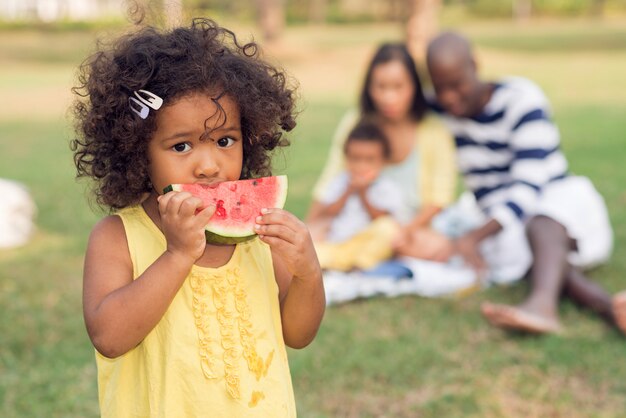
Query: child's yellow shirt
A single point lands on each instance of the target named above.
(217, 352)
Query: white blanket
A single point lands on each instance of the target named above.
(430, 279)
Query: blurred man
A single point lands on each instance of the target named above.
(509, 155)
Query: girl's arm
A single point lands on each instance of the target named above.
(298, 275)
(332, 209)
(372, 211)
(119, 311)
(332, 200)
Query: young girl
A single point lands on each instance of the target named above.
(182, 327)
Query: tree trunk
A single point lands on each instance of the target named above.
(422, 26)
(271, 15)
(318, 10)
(597, 8)
(398, 9)
(173, 10)
(522, 10)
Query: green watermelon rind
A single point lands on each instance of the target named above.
(172, 188)
(232, 235)
(213, 238)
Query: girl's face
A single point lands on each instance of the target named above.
(392, 90)
(194, 144)
(364, 159)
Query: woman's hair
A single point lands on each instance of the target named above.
(112, 140)
(368, 131)
(386, 53)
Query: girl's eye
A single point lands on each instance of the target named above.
(225, 142)
(182, 147)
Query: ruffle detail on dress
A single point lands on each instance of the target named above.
(226, 318)
(232, 312)
(200, 286)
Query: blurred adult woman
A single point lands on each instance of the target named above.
(422, 151)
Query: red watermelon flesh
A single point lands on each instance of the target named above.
(238, 203)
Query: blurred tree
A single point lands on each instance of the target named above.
(422, 25)
(398, 10)
(271, 18)
(173, 12)
(318, 10)
(522, 9)
(597, 7)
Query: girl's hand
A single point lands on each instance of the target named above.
(290, 239)
(182, 226)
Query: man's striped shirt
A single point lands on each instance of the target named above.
(509, 151)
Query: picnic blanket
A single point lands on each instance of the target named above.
(428, 279)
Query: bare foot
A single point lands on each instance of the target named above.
(515, 318)
(619, 310)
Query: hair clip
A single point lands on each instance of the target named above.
(142, 104)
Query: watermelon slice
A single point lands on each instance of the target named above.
(238, 204)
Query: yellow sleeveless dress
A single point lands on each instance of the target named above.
(217, 352)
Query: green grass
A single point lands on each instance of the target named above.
(402, 357)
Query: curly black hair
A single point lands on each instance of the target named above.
(112, 141)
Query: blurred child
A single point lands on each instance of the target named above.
(359, 206)
(182, 327)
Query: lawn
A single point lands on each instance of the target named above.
(402, 357)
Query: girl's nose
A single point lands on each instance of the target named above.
(206, 166)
